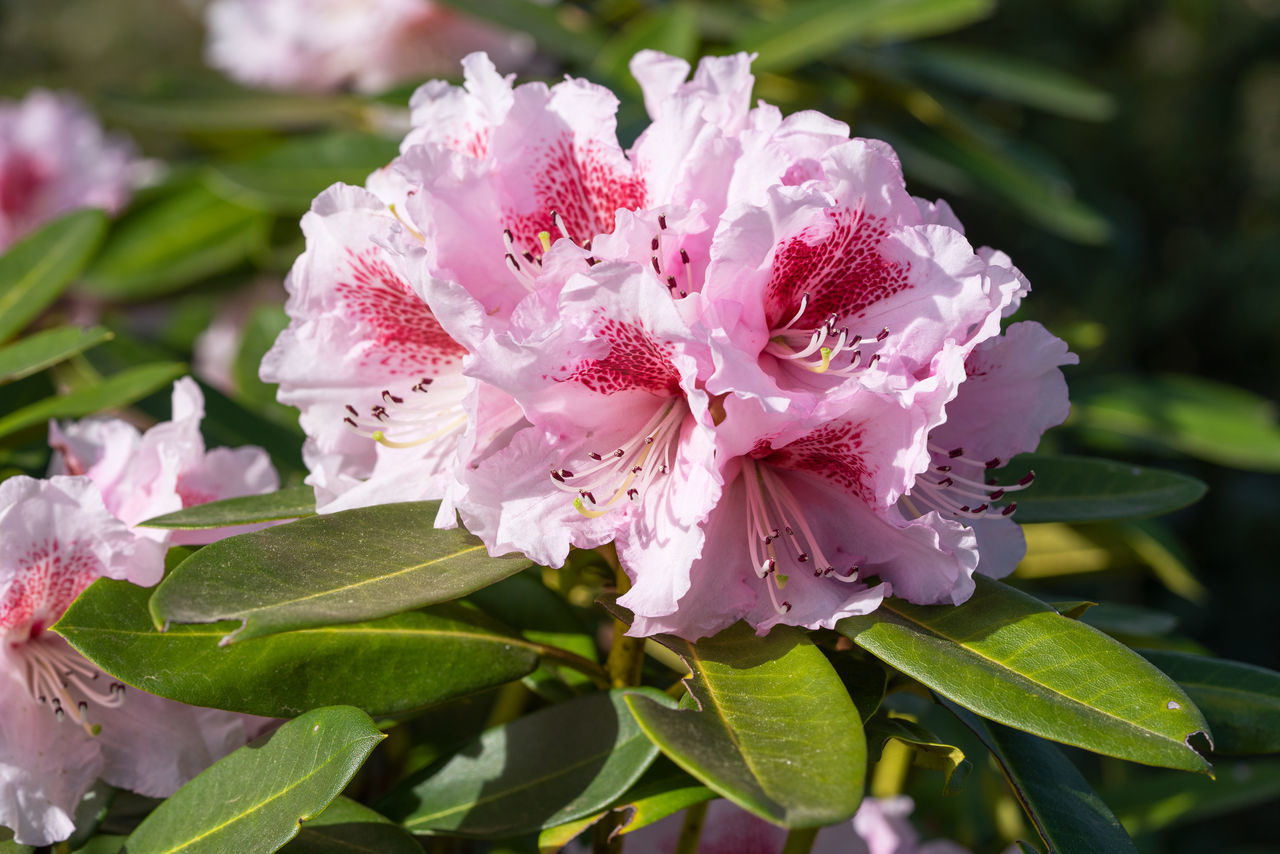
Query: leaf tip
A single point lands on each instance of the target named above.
(230, 637)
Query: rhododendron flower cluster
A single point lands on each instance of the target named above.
(64, 723)
(740, 350)
(54, 157)
(325, 45)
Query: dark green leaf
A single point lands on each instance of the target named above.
(182, 237)
(235, 111)
(1030, 83)
(927, 749)
(260, 332)
(407, 661)
(560, 30)
(293, 502)
(812, 29)
(286, 178)
(286, 577)
(253, 799)
(37, 352)
(776, 733)
(118, 390)
(36, 269)
(1240, 701)
(1155, 802)
(555, 765)
(348, 827)
(229, 423)
(103, 844)
(672, 30)
(8, 846)
(1083, 489)
(1118, 618)
(1013, 659)
(1186, 414)
(1066, 812)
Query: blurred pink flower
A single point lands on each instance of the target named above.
(325, 45)
(54, 157)
(64, 723)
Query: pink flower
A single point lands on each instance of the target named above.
(142, 475)
(324, 45)
(54, 158)
(880, 827)
(63, 723)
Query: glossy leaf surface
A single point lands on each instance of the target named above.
(407, 661)
(558, 764)
(1240, 701)
(1013, 659)
(292, 502)
(253, 799)
(1083, 489)
(117, 390)
(349, 827)
(37, 352)
(35, 270)
(286, 577)
(776, 733)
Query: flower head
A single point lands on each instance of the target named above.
(54, 158)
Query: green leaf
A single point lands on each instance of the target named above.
(253, 799)
(239, 110)
(37, 269)
(398, 663)
(560, 763)
(286, 178)
(37, 352)
(118, 390)
(8, 846)
(1084, 489)
(810, 30)
(1065, 810)
(260, 332)
(990, 73)
(1013, 659)
(1185, 414)
(672, 30)
(184, 236)
(1240, 701)
(101, 844)
(559, 30)
(286, 577)
(927, 750)
(776, 733)
(1155, 802)
(293, 502)
(348, 827)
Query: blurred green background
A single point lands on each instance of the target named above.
(1125, 153)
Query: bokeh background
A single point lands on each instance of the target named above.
(1126, 153)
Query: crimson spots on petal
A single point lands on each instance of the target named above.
(48, 578)
(578, 181)
(843, 271)
(834, 452)
(635, 361)
(407, 334)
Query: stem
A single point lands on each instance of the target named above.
(800, 840)
(626, 656)
(605, 841)
(586, 666)
(691, 830)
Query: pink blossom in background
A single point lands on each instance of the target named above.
(64, 723)
(881, 826)
(54, 157)
(739, 350)
(166, 468)
(326, 45)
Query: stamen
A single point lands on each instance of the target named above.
(433, 410)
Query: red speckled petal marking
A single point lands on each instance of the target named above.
(407, 334)
(843, 273)
(578, 182)
(833, 452)
(635, 361)
(49, 577)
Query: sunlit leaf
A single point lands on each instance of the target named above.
(37, 352)
(398, 663)
(117, 390)
(293, 502)
(253, 799)
(37, 269)
(776, 733)
(286, 577)
(927, 750)
(1013, 659)
(558, 764)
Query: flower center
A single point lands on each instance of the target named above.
(629, 470)
(829, 349)
(955, 486)
(59, 676)
(431, 410)
(780, 538)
